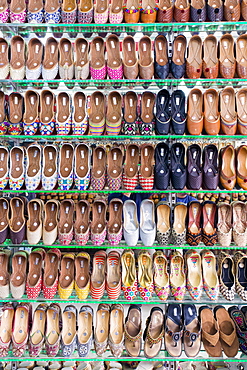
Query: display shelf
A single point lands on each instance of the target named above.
(136, 191)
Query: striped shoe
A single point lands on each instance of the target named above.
(146, 174)
(113, 277)
(97, 115)
(130, 172)
(114, 113)
(98, 275)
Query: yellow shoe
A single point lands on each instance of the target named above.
(82, 280)
(67, 274)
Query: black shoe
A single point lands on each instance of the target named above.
(161, 168)
(178, 169)
(194, 170)
(178, 114)
(163, 116)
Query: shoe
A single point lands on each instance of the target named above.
(69, 11)
(114, 168)
(85, 331)
(50, 224)
(66, 166)
(209, 274)
(19, 274)
(82, 222)
(66, 62)
(64, 119)
(4, 58)
(232, 10)
(194, 58)
(18, 12)
(241, 97)
(147, 222)
(82, 166)
(210, 172)
(114, 113)
(35, 11)
(178, 169)
(132, 11)
(131, 225)
(17, 220)
(66, 278)
(239, 318)
(82, 277)
(195, 115)
(20, 331)
(116, 332)
(215, 10)
(15, 114)
(177, 276)
(114, 61)
(228, 111)
(113, 277)
(194, 168)
(79, 115)
(226, 56)
(227, 167)
(179, 228)
(198, 12)
(47, 113)
(210, 62)
(33, 167)
(53, 334)
(98, 275)
(81, 63)
(161, 168)
(192, 330)
(4, 167)
(130, 118)
(101, 332)
(178, 63)
(165, 11)
(146, 63)
(101, 11)
(130, 62)
(65, 224)
(211, 112)
(145, 275)
(51, 269)
(162, 116)
(146, 173)
(239, 232)
(52, 11)
(224, 224)
(226, 275)
(161, 276)
(173, 330)
(130, 170)
(154, 333)
(178, 115)
(6, 327)
(69, 332)
(37, 332)
(98, 224)
(97, 115)
(133, 331)
(163, 212)
(129, 275)
(85, 11)
(31, 113)
(241, 57)
(114, 226)
(50, 59)
(240, 260)
(194, 274)
(241, 169)
(16, 170)
(35, 220)
(181, 11)
(97, 51)
(49, 168)
(98, 173)
(210, 332)
(148, 11)
(4, 279)
(209, 233)
(147, 118)
(194, 231)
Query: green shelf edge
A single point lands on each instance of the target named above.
(136, 191)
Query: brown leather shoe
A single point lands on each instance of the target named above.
(146, 63)
(132, 11)
(148, 11)
(241, 161)
(228, 111)
(194, 59)
(165, 11)
(194, 113)
(227, 167)
(130, 62)
(211, 112)
(210, 63)
(232, 10)
(227, 58)
(181, 11)
(241, 102)
(241, 56)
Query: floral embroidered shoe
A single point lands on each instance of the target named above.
(82, 167)
(31, 113)
(132, 11)
(130, 117)
(114, 226)
(6, 327)
(65, 166)
(148, 11)
(82, 277)
(81, 59)
(130, 172)
(113, 277)
(194, 274)
(4, 59)
(4, 11)
(50, 223)
(51, 267)
(129, 275)
(97, 115)
(146, 173)
(63, 121)
(17, 59)
(65, 225)
(145, 276)
(33, 167)
(66, 63)
(3, 114)
(80, 116)
(66, 278)
(163, 211)
(18, 12)
(82, 223)
(15, 114)
(20, 334)
(177, 276)
(85, 11)
(69, 333)
(98, 275)
(161, 276)
(209, 274)
(34, 276)
(101, 332)
(85, 331)
(69, 11)
(147, 118)
(114, 61)
(18, 276)
(114, 168)
(116, 334)
(52, 334)
(226, 273)
(34, 222)
(37, 333)
(4, 167)
(35, 11)
(47, 114)
(240, 260)
(16, 170)
(50, 60)
(116, 12)
(4, 260)
(98, 175)
(52, 11)
(98, 63)
(179, 228)
(101, 11)
(98, 225)
(49, 168)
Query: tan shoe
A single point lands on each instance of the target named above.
(130, 62)
(211, 112)
(50, 225)
(34, 222)
(146, 63)
(194, 113)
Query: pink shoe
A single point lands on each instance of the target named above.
(18, 11)
(129, 275)
(98, 63)
(65, 225)
(98, 225)
(101, 12)
(116, 12)
(114, 61)
(4, 13)
(35, 273)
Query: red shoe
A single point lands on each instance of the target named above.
(146, 173)
(34, 277)
(130, 172)
(98, 275)
(113, 277)
(52, 265)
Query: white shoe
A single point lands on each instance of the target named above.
(66, 63)
(4, 167)
(17, 61)
(50, 224)
(50, 61)
(66, 166)
(147, 222)
(49, 168)
(34, 59)
(33, 167)
(131, 225)
(4, 52)
(34, 222)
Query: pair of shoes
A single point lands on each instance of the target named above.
(146, 11)
(232, 167)
(132, 229)
(239, 318)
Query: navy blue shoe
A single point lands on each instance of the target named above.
(178, 114)
(161, 61)
(192, 340)
(178, 169)
(173, 330)
(198, 14)
(194, 169)
(178, 64)
(163, 116)
(161, 168)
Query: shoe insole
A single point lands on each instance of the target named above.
(241, 102)
(31, 107)
(69, 327)
(38, 327)
(227, 105)
(66, 161)
(35, 268)
(82, 271)
(215, 3)
(21, 325)
(198, 4)
(177, 274)
(163, 218)
(195, 210)
(113, 271)
(181, 4)
(195, 52)
(85, 324)
(50, 164)
(116, 6)
(65, 56)
(81, 224)
(79, 107)
(211, 105)
(128, 269)
(210, 51)
(179, 47)
(97, 107)
(132, 4)
(63, 107)
(33, 154)
(195, 105)
(114, 107)
(130, 111)
(115, 162)
(85, 5)
(115, 218)
(3, 52)
(67, 272)
(17, 6)
(6, 325)
(226, 275)
(228, 164)
(66, 216)
(17, 218)
(81, 155)
(35, 5)
(4, 275)
(98, 275)
(238, 218)
(3, 163)
(241, 51)
(194, 271)
(161, 275)
(18, 276)
(145, 275)
(98, 222)
(209, 271)
(113, 51)
(51, 54)
(52, 326)
(224, 219)
(51, 6)
(4, 212)
(180, 213)
(242, 272)
(69, 5)
(51, 210)
(102, 325)
(2, 106)
(227, 51)
(98, 48)
(81, 50)
(47, 109)
(145, 51)
(16, 156)
(129, 56)
(116, 326)
(134, 322)
(51, 269)
(17, 60)
(132, 161)
(209, 210)
(15, 108)
(3, 5)
(165, 4)
(147, 158)
(147, 107)
(161, 50)
(99, 162)
(147, 223)
(101, 6)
